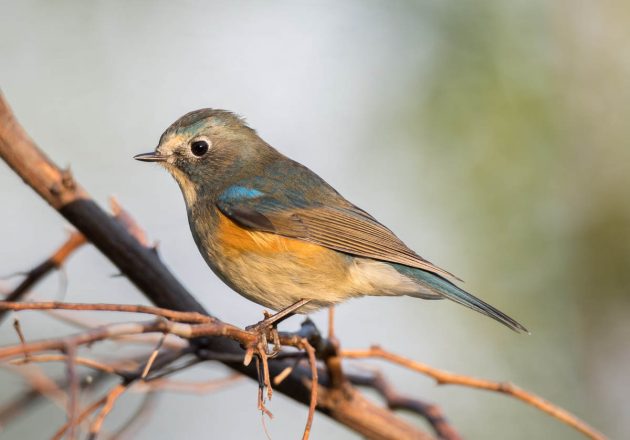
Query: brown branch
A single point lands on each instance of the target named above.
(139, 416)
(41, 387)
(34, 275)
(394, 400)
(129, 223)
(213, 328)
(110, 400)
(82, 416)
(73, 386)
(145, 270)
(152, 357)
(446, 378)
(197, 387)
(303, 344)
(84, 324)
(59, 256)
(40, 384)
(90, 363)
(187, 331)
(129, 308)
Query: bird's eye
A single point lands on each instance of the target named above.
(199, 148)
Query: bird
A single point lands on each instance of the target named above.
(279, 235)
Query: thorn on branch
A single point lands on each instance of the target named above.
(18, 330)
(67, 180)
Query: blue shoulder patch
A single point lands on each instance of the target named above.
(237, 192)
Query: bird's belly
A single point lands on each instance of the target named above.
(277, 271)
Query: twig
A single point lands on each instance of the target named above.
(56, 260)
(42, 386)
(173, 315)
(314, 384)
(154, 354)
(203, 387)
(187, 331)
(286, 372)
(394, 400)
(84, 414)
(129, 223)
(74, 242)
(91, 363)
(18, 330)
(110, 400)
(303, 344)
(84, 324)
(138, 417)
(446, 378)
(73, 385)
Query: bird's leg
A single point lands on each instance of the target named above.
(277, 318)
(331, 322)
(270, 323)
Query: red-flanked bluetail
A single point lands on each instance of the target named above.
(277, 233)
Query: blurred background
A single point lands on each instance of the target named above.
(491, 136)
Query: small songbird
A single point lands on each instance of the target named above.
(278, 234)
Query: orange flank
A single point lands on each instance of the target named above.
(234, 240)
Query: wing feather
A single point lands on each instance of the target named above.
(346, 229)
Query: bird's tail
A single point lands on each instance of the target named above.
(435, 284)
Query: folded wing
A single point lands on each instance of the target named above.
(346, 228)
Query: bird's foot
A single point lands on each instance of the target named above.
(267, 329)
(267, 332)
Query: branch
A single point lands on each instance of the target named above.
(446, 378)
(191, 317)
(432, 413)
(33, 276)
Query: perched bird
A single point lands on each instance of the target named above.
(277, 233)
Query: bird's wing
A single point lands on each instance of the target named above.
(344, 228)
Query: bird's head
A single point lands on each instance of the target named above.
(205, 150)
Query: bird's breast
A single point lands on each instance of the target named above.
(271, 269)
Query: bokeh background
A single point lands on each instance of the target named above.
(492, 136)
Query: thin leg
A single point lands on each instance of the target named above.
(274, 320)
(331, 322)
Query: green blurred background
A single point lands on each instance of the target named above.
(491, 136)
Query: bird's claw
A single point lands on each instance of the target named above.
(266, 332)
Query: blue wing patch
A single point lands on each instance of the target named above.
(237, 192)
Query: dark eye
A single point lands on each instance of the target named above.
(199, 148)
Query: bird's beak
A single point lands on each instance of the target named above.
(150, 157)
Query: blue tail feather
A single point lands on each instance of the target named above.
(444, 288)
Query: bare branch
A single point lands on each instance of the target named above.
(189, 387)
(110, 400)
(432, 413)
(446, 378)
(156, 311)
(34, 275)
